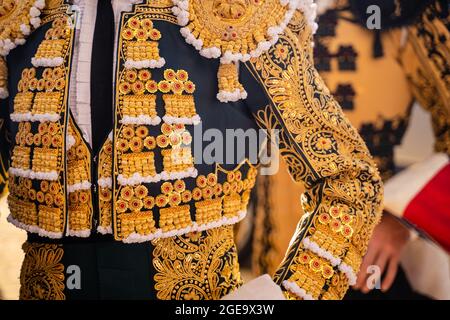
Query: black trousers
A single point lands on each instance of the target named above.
(101, 268)
(400, 290)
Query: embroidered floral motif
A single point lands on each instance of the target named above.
(198, 265)
(42, 273)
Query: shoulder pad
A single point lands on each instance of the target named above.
(237, 30)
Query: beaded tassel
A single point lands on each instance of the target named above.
(230, 89)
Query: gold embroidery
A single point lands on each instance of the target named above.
(23, 102)
(45, 160)
(175, 135)
(140, 222)
(105, 193)
(53, 4)
(136, 148)
(178, 105)
(140, 43)
(234, 30)
(322, 150)
(175, 218)
(237, 26)
(177, 159)
(139, 105)
(79, 180)
(47, 102)
(196, 265)
(311, 272)
(22, 210)
(208, 210)
(14, 18)
(3, 77)
(42, 273)
(56, 42)
(228, 79)
(21, 157)
(42, 100)
(338, 285)
(50, 218)
(142, 163)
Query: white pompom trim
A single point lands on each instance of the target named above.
(194, 120)
(105, 182)
(35, 22)
(25, 29)
(19, 117)
(226, 96)
(137, 238)
(141, 119)
(315, 248)
(349, 273)
(4, 93)
(84, 185)
(47, 62)
(136, 179)
(79, 233)
(34, 12)
(30, 174)
(40, 4)
(6, 45)
(104, 230)
(188, 173)
(295, 289)
(34, 229)
(70, 142)
(144, 64)
(335, 261)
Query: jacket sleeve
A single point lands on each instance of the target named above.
(342, 202)
(420, 193)
(426, 61)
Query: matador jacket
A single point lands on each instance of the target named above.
(177, 69)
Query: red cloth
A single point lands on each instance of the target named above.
(430, 208)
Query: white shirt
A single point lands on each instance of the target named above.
(80, 81)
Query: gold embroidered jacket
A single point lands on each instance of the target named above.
(145, 185)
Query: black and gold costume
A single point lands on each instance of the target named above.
(140, 217)
(375, 89)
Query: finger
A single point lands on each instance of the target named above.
(390, 274)
(381, 262)
(368, 260)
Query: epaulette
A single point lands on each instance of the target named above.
(236, 31)
(18, 18)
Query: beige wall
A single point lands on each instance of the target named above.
(11, 255)
(418, 141)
